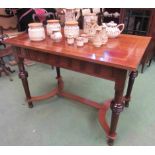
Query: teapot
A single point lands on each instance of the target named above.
(113, 29)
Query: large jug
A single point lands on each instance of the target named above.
(69, 14)
(90, 24)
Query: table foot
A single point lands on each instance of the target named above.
(110, 142)
(127, 104)
(103, 122)
(30, 105)
(126, 101)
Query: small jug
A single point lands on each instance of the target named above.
(79, 41)
(90, 24)
(98, 39)
(104, 34)
(70, 39)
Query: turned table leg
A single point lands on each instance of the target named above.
(60, 81)
(142, 69)
(116, 106)
(132, 77)
(23, 76)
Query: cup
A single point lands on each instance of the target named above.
(70, 39)
(85, 37)
(79, 41)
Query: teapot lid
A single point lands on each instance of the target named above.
(111, 24)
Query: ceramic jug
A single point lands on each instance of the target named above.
(90, 24)
(104, 35)
(113, 30)
(98, 39)
(69, 14)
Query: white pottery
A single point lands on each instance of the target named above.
(70, 39)
(71, 28)
(85, 37)
(113, 30)
(79, 41)
(70, 14)
(36, 32)
(104, 35)
(98, 40)
(51, 25)
(56, 35)
(90, 24)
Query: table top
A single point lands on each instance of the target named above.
(124, 52)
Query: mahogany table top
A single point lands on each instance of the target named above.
(124, 52)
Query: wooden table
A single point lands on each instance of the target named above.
(111, 61)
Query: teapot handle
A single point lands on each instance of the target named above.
(121, 25)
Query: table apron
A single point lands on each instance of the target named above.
(90, 68)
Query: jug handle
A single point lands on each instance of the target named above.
(121, 25)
